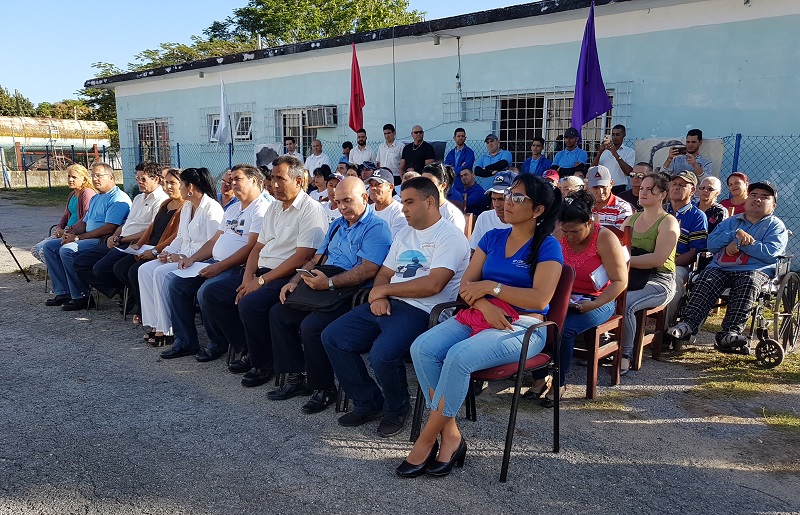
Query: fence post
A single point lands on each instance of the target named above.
(736, 149)
(104, 154)
(178, 151)
(73, 153)
(49, 182)
(140, 152)
(230, 155)
(24, 168)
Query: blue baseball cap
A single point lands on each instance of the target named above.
(501, 182)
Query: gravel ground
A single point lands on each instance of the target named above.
(92, 421)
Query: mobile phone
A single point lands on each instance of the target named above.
(510, 320)
(303, 271)
(681, 149)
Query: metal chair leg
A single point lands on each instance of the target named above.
(125, 293)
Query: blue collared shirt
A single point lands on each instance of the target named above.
(460, 159)
(369, 238)
(537, 167)
(231, 202)
(568, 158)
(111, 207)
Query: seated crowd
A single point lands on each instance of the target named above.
(274, 260)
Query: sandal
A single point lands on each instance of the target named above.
(149, 336)
(549, 399)
(161, 341)
(537, 393)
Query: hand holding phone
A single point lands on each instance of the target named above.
(303, 271)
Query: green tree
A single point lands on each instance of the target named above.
(15, 105)
(102, 103)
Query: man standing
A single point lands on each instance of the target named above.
(291, 148)
(496, 160)
(745, 248)
(609, 209)
(361, 153)
(537, 164)
(317, 158)
(467, 191)
(462, 156)
(224, 255)
(381, 189)
(417, 153)
(108, 209)
(691, 160)
(495, 217)
(95, 266)
(631, 196)
(353, 250)
(617, 158)
(573, 157)
(390, 152)
(293, 229)
(694, 232)
(423, 268)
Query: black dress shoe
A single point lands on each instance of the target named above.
(58, 300)
(320, 400)
(76, 304)
(294, 386)
(203, 356)
(356, 418)
(391, 426)
(240, 366)
(257, 377)
(406, 469)
(177, 353)
(443, 468)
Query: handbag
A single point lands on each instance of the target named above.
(304, 298)
(639, 277)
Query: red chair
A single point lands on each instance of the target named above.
(548, 358)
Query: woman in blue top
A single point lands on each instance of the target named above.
(509, 283)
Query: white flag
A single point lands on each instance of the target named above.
(223, 132)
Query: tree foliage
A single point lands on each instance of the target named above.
(15, 105)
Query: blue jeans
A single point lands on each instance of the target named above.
(387, 338)
(575, 324)
(181, 293)
(446, 355)
(59, 259)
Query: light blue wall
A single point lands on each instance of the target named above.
(737, 77)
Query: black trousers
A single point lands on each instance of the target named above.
(126, 270)
(96, 267)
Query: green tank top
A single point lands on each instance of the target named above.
(647, 240)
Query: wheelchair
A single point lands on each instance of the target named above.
(776, 335)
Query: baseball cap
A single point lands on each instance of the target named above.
(344, 160)
(686, 175)
(369, 165)
(571, 132)
(490, 136)
(764, 185)
(335, 175)
(598, 176)
(382, 175)
(502, 181)
(551, 175)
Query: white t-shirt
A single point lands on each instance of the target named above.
(393, 216)
(303, 224)
(486, 221)
(316, 194)
(453, 215)
(414, 253)
(390, 156)
(332, 214)
(298, 155)
(608, 160)
(313, 162)
(236, 226)
(358, 156)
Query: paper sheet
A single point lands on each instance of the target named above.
(191, 271)
(136, 252)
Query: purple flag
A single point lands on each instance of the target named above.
(591, 99)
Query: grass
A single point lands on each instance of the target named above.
(784, 420)
(37, 197)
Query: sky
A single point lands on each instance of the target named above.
(50, 67)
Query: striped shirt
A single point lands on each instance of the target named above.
(694, 228)
(614, 213)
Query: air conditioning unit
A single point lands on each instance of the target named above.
(320, 116)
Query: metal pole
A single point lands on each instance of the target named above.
(104, 154)
(178, 152)
(24, 168)
(140, 152)
(230, 155)
(736, 153)
(73, 153)
(49, 182)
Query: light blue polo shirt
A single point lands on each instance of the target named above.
(568, 158)
(486, 160)
(369, 238)
(111, 207)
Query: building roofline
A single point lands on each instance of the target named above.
(515, 12)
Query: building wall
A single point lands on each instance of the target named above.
(733, 70)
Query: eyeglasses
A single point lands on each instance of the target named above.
(138, 179)
(706, 188)
(515, 198)
(637, 175)
(417, 132)
(98, 175)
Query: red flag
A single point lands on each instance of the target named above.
(357, 102)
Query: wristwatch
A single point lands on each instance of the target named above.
(496, 290)
(261, 280)
(154, 251)
(330, 284)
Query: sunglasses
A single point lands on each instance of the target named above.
(417, 132)
(706, 188)
(637, 175)
(515, 198)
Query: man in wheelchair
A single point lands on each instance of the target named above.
(745, 248)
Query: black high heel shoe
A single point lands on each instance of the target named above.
(406, 469)
(443, 468)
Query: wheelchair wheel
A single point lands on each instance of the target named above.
(786, 326)
(769, 353)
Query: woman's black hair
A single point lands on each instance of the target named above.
(202, 180)
(543, 194)
(660, 179)
(353, 166)
(324, 170)
(576, 208)
(444, 174)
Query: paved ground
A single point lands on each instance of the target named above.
(92, 421)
